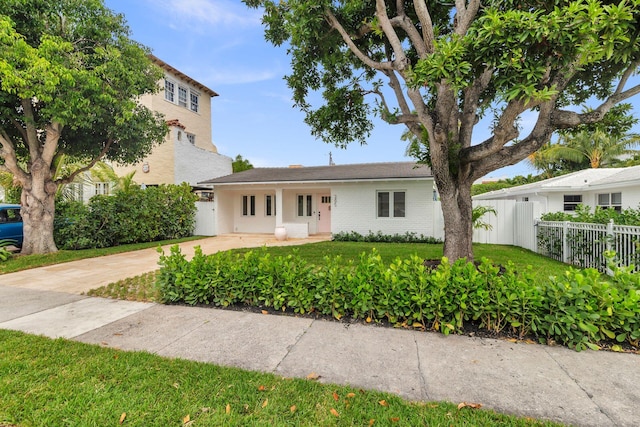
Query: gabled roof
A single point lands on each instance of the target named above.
(353, 172)
(584, 180)
(159, 62)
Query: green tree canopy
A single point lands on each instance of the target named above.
(240, 164)
(69, 79)
(448, 64)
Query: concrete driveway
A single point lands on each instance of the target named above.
(78, 277)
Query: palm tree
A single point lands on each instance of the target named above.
(100, 172)
(599, 148)
(584, 149)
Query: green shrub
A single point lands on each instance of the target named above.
(583, 213)
(132, 216)
(579, 309)
(408, 237)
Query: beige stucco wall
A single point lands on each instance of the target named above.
(162, 160)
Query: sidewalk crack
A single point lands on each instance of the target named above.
(292, 346)
(584, 390)
(423, 379)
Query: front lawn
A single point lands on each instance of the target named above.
(46, 382)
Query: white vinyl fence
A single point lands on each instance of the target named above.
(584, 245)
(513, 223)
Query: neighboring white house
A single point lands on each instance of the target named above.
(615, 188)
(387, 197)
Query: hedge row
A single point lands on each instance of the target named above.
(408, 237)
(579, 310)
(132, 216)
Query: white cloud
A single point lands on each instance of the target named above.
(209, 12)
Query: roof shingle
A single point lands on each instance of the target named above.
(353, 172)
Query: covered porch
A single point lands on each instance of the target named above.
(302, 210)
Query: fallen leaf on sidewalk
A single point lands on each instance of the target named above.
(313, 376)
(265, 312)
(470, 405)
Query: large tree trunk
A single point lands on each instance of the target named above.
(38, 208)
(458, 226)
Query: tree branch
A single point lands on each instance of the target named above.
(20, 128)
(427, 25)
(88, 166)
(510, 155)
(333, 21)
(563, 119)
(53, 131)
(625, 76)
(471, 100)
(403, 21)
(465, 15)
(401, 61)
(32, 141)
(8, 153)
(397, 90)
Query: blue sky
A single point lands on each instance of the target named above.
(221, 44)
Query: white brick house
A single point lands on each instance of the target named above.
(387, 197)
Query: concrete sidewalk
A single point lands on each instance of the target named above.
(586, 389)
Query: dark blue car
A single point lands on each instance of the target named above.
(11, 223)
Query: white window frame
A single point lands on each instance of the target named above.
(169, 90)
(570, 205)
(269, 205)
(102, 188)
(248, 205)
(393, 208)
(194, 101)
(76, 191)
(304, 205)
(609, 203)
(183, 96)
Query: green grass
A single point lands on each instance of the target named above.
(46, 382)
(23, 262)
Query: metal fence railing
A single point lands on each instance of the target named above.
(584, 244)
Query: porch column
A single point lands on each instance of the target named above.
(279, 208)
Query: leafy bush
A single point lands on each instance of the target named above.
(579, 309)
(132, 216)
(583, 213)
(5, 254)
(408, 237)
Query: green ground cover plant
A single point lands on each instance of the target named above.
(43, 384)
(579, 309)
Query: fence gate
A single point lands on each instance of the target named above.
(205, 219)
